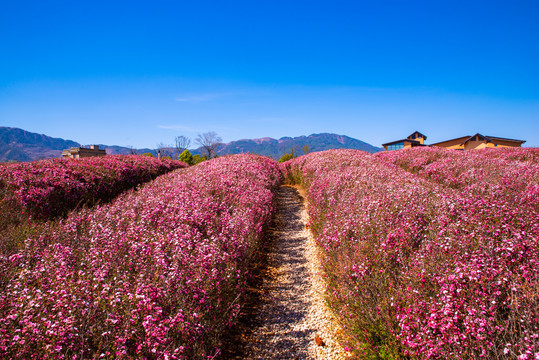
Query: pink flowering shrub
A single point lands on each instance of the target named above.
(159, 273)
(494, 172)
(493, 234)
(424, 265)
(49, 188)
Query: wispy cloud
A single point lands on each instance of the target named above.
(179, 128)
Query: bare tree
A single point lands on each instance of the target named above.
(163, 150)
(209, 142)
(133, 151)
(182, 143)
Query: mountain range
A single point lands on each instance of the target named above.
(21, 145)
(276, 148)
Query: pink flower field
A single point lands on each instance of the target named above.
(429, 253)
(158, 273)
(49, 188)
(493, 172)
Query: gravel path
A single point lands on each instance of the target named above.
(290, 318)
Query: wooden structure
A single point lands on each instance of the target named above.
(413, 140)
(81, 152)
(479, 141)
(467, 142)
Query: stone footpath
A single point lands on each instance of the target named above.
(291, 320)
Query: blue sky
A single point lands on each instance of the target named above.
(139, 73)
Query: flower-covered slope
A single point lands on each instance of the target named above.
(435, 263)
(158, 273)
(48, 188)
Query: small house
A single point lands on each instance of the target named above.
(478, 141)
(467, 142)
(413, 140)
(81, 152)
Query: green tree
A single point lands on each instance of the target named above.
(198, 159)
(148, 154)
(288, 156)
(285, 157)
(186, 157)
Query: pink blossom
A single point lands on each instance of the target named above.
(136, 278)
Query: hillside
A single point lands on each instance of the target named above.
(277, 148)
(122, 150)
(21, 145)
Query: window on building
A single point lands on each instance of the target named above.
(396, 146)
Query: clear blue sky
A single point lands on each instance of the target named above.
(142, 72)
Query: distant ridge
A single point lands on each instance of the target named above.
(21, 145)
(276, 148)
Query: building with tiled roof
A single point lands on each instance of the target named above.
(81, 152)
(467, 142)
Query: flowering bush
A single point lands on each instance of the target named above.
(158, 273)
(494, 172)
(48, 188)
(422, 263)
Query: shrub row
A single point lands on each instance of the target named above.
(158, 273)
(419, 270)
(49, 188)
(493, 172)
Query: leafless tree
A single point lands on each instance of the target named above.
(163, 150)
(209, 141)
(133, 151)
(182, 143)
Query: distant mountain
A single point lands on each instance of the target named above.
(122, 150)
(277, 148)
(20, 145)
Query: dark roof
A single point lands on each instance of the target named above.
(418, 133)
(488, 138)
(402, 140)
(491, 138)
(505, 139)
(482, 137)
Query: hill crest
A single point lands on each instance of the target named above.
(21, 145)
(278, 147)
